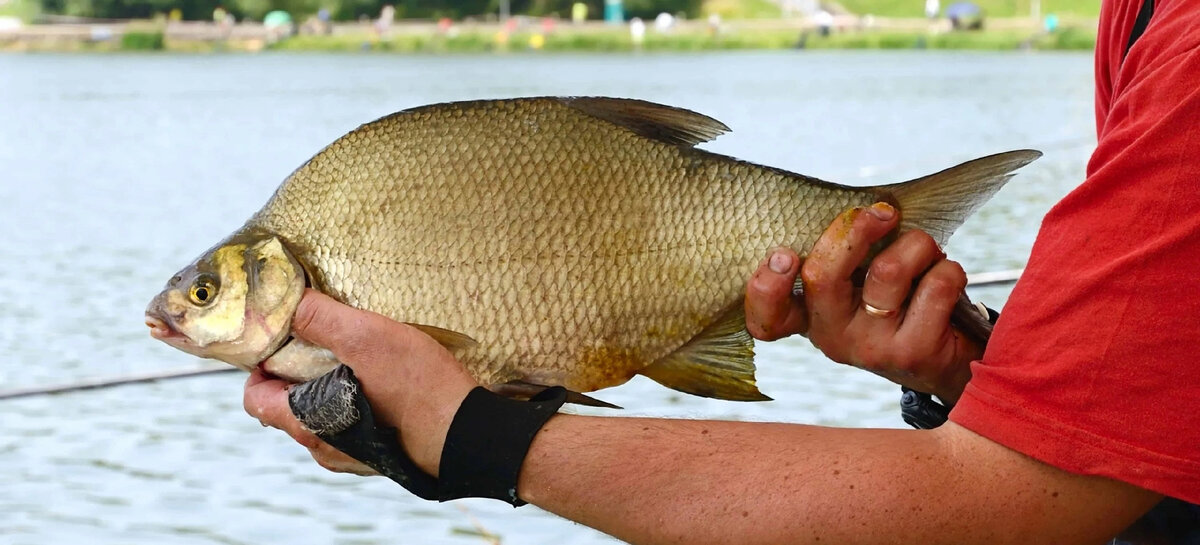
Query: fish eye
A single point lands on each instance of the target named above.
(203, 291)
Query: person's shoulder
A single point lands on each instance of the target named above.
(1159, 35)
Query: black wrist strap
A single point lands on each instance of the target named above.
(487, 443)
(334, 408)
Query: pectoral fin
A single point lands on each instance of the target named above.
(719, 362)
(452, 340)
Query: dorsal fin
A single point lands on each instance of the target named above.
(664, 123)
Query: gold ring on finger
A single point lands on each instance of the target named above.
(878, 312)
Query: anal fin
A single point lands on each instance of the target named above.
(718, 363)
(522, 389)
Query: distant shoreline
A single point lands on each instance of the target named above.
(429, 38)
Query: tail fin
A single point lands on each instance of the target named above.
(939, 203)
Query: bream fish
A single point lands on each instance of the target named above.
(546, 241)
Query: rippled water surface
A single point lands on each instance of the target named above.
(116, 170)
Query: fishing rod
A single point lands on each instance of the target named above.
(996, 278)
(973, 280)
(108, 382)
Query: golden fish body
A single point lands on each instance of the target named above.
(577, 241)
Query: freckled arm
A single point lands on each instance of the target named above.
(674, 481)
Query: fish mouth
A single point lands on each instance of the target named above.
(160, 329)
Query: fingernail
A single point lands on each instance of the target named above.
(882, 211)
(780, 262)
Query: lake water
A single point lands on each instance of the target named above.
(116, 170)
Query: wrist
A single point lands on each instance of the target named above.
(956, 376)
(952, 388)
(426, 421)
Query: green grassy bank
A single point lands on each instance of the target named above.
(993, 8)
(1010, 34)
(996, 40)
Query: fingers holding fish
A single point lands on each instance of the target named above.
(773, 311)
(413, 383)
(913, 343)
(265, 398)
(889, 327)
(939, 357)
(934, 297)
(829, 292)
(890, 276)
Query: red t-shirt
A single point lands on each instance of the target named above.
(1094, 366)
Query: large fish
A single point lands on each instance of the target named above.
(547, 241)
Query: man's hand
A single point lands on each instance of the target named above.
(887, 327)
(413, 383)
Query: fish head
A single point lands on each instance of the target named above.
(234, 303)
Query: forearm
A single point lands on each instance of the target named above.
(672, 481)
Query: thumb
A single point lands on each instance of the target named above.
(343, 329)
(772, 312)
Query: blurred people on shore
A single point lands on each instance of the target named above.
(637, 31)
(223, 20)
(320, 23)
(326, 19)
(823, 20)
(579, 12)
(614, 12)
(383, 25)
(664, 23)
(714, 24)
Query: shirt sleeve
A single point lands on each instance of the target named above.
(1092, 366)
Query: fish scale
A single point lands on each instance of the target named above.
(577, 241)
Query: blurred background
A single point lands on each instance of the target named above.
(552, 25)
(117, 167)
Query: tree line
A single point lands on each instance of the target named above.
(347, 10)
